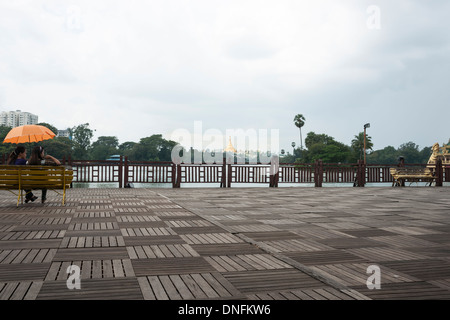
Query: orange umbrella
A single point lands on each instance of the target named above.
(28, 133)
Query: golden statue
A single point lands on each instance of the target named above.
(422, 174)
(435, 153)
(443, 152)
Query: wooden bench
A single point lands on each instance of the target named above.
(403, 175)
(35, 177)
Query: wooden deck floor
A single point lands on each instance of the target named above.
(239, 243)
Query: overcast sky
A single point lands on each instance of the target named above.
(136, 68)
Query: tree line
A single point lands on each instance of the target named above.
(81, 147)
(327, 149)
(156, 148)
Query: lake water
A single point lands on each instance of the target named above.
(235, 185)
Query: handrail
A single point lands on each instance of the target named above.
(126, 171)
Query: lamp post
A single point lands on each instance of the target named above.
(367, 125)
(293, 149)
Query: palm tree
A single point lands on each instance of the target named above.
(358, 144)
(299, 122)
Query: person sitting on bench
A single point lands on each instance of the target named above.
(401, 164)
(18, 157)
(38, 157)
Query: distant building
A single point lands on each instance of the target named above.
(17, 118)
(64, 133)
(230, 147)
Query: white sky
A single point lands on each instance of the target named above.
(136, 68)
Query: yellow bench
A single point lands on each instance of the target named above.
(426, 174)
(35, 177)
(402, 175)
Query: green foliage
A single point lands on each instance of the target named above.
(47, 125)
(104, 147)
(358, 145)
(326, 148)
(387, 155)
(126, 148)
(410, 151)
(81, 138)
(313, 138)
(5, 148)
(287, 158)
(153, 148)
(60, 147)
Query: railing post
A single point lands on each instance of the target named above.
(178, 185)
(273, 181)
(361, 174)
(223, 180)
(318, 173)
(229, 175)
(274, 171)
(120, 172)
(358, 174)
(174, 175)
(277, 178)
(439, 172)
(271, 177)
(125, 173)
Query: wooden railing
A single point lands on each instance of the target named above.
(291, 173)
(145, 172)
(204, 173)
(96, 171)
(125, 172)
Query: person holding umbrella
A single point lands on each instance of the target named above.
(33, 133)
(38, 157)
(18, 157)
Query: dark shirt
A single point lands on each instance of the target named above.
(20, 162)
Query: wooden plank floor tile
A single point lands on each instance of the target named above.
(92, 289)
(271, 280)
(169, 266)
(233, 243)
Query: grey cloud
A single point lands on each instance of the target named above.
(183, 63)
(250, 48)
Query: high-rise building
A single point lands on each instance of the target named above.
(64, 133)
(17, 118)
